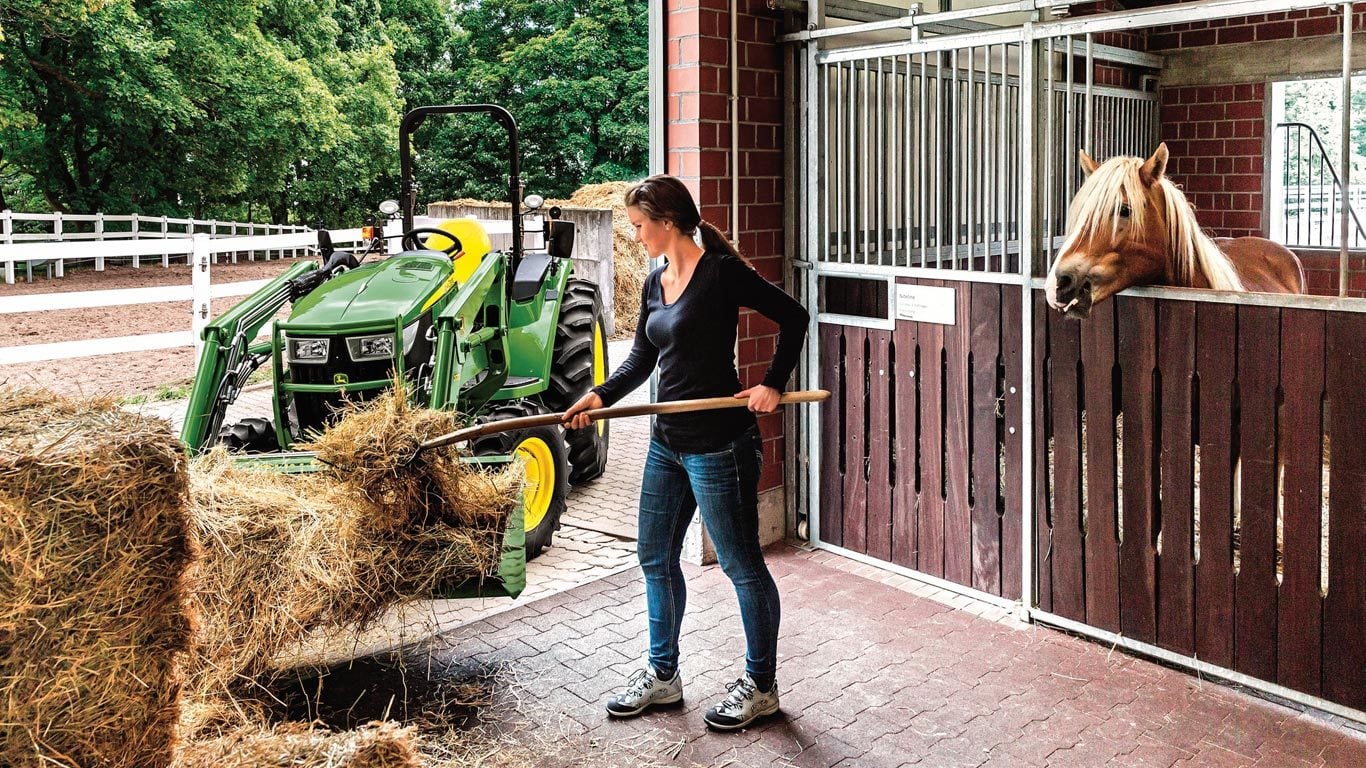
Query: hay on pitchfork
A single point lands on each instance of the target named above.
(284, 555)
(94, 544)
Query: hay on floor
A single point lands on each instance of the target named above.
(379, 745)
(94, 544)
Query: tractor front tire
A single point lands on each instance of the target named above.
(542, 451)
(254, 435)
(578, 364)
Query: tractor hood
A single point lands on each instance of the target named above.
(405, 284)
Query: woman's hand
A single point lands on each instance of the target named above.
(576, 417)
(762, 399)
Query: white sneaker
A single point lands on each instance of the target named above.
(743, 705)
(643, 690)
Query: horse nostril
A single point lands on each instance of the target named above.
(1064, 282)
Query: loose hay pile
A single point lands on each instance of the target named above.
(94, 542)
(630, 264)
(287, 554)
(113, 579)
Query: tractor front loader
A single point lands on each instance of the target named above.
(492, 334)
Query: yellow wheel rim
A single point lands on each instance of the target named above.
(540, 479)
(599, 363)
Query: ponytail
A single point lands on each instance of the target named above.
(714, 240)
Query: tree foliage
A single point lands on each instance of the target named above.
(573, 73)
(289, 109)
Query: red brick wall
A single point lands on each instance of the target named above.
(1215, 136)
(1246, 29)
(698, 143)
(1321, 269)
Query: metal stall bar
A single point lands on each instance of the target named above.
(1029, 243)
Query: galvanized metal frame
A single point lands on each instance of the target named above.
(1036, 41)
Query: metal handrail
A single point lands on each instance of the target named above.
(1324, 163)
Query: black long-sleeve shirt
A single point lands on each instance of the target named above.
(693, 341)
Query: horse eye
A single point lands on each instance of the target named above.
(1124, 210)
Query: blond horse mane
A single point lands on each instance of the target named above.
(1116, 182)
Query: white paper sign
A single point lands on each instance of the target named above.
(926, 304)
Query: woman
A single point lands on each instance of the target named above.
(705, 460)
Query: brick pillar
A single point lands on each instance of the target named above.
(698, 138)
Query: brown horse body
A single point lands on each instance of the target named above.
(1128, 225)
(1265, 266)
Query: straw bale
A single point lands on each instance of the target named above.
(288, 554)
(294, 745)
(630, 263)
(94, 546)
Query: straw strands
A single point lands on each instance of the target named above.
(118, 568)
(94, 544)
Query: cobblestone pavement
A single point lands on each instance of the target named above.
(873, 674)
(609, 503)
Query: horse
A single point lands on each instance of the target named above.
(1129, 225)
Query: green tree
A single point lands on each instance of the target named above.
(213, 108)
(573, 74)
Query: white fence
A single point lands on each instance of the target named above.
(198, 249)
(70, 227)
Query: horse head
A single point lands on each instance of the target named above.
(1117, 233)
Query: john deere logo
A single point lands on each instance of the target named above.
(340, 379)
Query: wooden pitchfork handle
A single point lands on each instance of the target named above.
(598, 414)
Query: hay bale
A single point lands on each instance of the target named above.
(284, 555)
(94, 545)
(379, 745)
(630, 263)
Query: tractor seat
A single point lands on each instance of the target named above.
(474, 242)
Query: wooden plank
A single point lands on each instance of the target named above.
(1137, 570)
(1299, 604)
(855, 434)
(832, 434)
(879, 448)
(1012, 518)
(1176, 582)
(1043, 531)
(1254, 584)
(1344, 608)
(1215, 365)
(1069, 578)
(906, 499)
(931, 525)
(957, 512)
(1101, 536)
(985, 457)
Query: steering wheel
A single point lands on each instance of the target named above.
(411, 243)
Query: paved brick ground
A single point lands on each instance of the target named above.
(608, 504)
(872, 675)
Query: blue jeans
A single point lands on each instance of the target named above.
(724, 486)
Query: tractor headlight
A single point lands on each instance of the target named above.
(308, 350)
(380, 346)
(364, 348)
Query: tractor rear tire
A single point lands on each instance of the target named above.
(579, 363)
(254, 435)
(547, 467)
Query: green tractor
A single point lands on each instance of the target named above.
(493, 334)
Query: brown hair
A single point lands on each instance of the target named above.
(664, 198)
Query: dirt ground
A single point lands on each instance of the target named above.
(121, 375)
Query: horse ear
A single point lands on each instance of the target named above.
(1155, 166)
(1087, 163)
